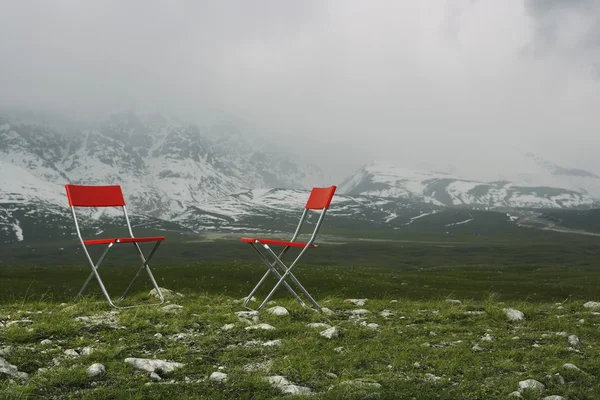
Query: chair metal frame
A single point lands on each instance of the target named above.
(320, 198)
(110, 196)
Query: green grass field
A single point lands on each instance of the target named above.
(546, 275)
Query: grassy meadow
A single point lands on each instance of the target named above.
(410, 343)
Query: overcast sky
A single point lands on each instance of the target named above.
(411, 82)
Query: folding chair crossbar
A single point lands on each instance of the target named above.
(320, 198)
(110, 196)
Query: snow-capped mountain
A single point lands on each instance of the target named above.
(385, 180)
(164, 166)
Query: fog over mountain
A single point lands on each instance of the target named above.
(465, 87)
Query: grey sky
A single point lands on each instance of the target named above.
(412, 82)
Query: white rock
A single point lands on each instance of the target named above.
(220, 377)
(155, 377)
(487, 338)
(167, 294)
(258, 366)
(553, 397)
(330, 333)
(285, 386)
(227, 327)
(432, 378)
(477, 348)
(7, 368)
(327, 311)
(572, 367)
(86, 351)
(46, 342)
(359, 384)
(265, 327)
(278, 310)
(153, 365)
(453, 301)
(360, 311)
(6, 351)
(339, 349)
(592, 304)
(158, 335)
(386, 313)
(573, 340)
(373, 325)
(357, 302)
(252, 299)
(393, 301)
(514, 315)
(71, 353)
(531, 384)
(516, 394)
(96, 370)
(172, 307)
(563, 334)
(318, 325)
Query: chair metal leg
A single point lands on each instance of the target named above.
(288, 272)
(94, 268)
(145, 266)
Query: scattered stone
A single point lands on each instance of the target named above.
(359, 384)
(563, 334)
(516, 394)
(327, 311)
(172, 308)
(487, 338)
(372, 325)
(453, 301)
(432, 378)
(592, 304)
(553, 397)
(477, 348)
(318, 325)
(248, 317)
(167, 294)
(258, 366)
(330, 333)
(393, 301)
(86, 351)
(6, 351)
(7, 368)
(571, 367)
(514, 315)
(153, 365)
(357, 302)
(155, 377)
(71, 353)
(96, 370)
(278, 310)
(581, 321)
(331, 375)
(46, 342)
(286, 387)
(252, 299)
(573, 340)
(386, 313)
(339, 349)
(218, 377)
(360, 311)
(227, 327)
(158, 335)
(531, 384)
(265, 327)
(475, 312)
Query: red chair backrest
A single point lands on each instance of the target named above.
(95, 196)
(320, 198)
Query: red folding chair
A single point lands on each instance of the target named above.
(319, 199)
(109, 196)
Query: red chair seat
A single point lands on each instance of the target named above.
(275, 242)
(125, 240)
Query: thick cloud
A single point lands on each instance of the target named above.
(429, 83)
